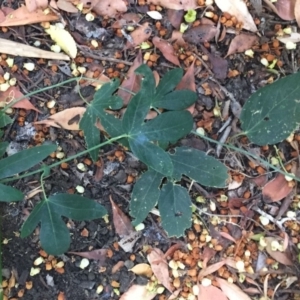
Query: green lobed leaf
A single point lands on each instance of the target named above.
(151, 155)
(168, 127)
(176, 100)
(168, 83)
(273, 112)
(54, 234)
(3, 146)
(24, 160)
(139, 105)
(4, 119)
(199, 166)
(103, 99)
(9, 194)
(174, 205)
(145, 195)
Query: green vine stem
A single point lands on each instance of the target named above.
(65, 160)
(262, 161)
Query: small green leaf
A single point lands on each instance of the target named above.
(54, 234)
(198, 166)
(103, 99)
(273, 112)
(9, 194)
(168, 83)
(4, 119)
(145, 195)
(3, 146)
(24, 160)
(174, 205)
(176, 100)
(91, 132)
(151, 155)
(169, 126)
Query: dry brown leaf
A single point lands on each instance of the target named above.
(177, 38)
(14, 93)
(241, 43)
(175, 17)
(2, 16)
(200, 34)
(210, 269)
(286, 9)
(187, 82)
(106, 8)
(176, 4)
(281, 257)
(238, 9)
(297, 12)
(68, 119)
(98, 254)
(159, 267)
(122, 223)
(139, 35)
(142, 269)
(232, 291)
(18, 49)
(22, 16)
(166, 49)
(125, 19)
(33, 5)
(276, 189)
(138, 292)
(132, 81)
(67, 6)
(210, 293)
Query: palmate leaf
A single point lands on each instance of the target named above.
(9, 194)
(103, 99)
(174, 205)
(145, 195)
(198, 166)
(273, 112)
(54, 234)
(24, 160)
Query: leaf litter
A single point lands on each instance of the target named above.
(273, 192)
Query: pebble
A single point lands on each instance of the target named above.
(91, 276)
(87, 284)
(129, 264)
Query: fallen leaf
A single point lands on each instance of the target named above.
(294, 37)
(122, 223)
(18, 49)
(238, 9)
(139, 35)
(14, 93)
(276, 189)
(67, 6)
(66, 119)
(207, 254)
(126, 19)
(128, 241)
(166, 49)
(175, 17)
(200, 34)
(138, 292)
(22, 16)
(142, 269)
(33, 5)
(108, 8)
(241, 43)
(159, 267)
(98, 254)
(297, 12)
(177, 38)
(210, 269)
(132, 81)
(281, 257)
(64, 39)
(286, 9)
(187, 82)
(210, 293)
(232, 291)
(176, 4)
(2, 16)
